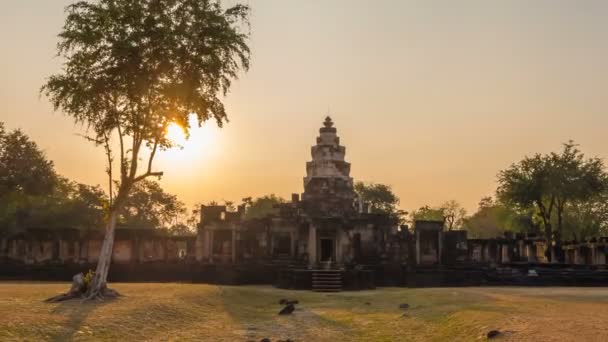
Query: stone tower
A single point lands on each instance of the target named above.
(328, 187)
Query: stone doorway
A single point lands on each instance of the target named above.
(327, 249)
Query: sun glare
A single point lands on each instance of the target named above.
(176, 134)
(199, 145)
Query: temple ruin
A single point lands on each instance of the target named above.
(325, 239)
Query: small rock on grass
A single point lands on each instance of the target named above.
(492, 334)
(404, 306)
(287, 310)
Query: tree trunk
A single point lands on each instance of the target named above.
(549, 237)
(559, 253)
(98, 287)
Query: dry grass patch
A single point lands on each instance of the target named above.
(160, 312)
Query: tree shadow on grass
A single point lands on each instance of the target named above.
(76, 311)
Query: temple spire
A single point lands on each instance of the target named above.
(328, 187)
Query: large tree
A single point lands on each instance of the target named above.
(26, 177)
(132, 68)
(575, 179)
(551, 183)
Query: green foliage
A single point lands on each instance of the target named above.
(492, 219)
(427, 213)
(262, 206)
(450, 212)
(23, 166)
(585, 219)
(88, 278)
(135, 66)
(149, 206)
(454, 214)
(381, 198)
(555, 184)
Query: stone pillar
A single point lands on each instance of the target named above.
(233, 246)
(210, 246)
(576, 256)
(601, 257)
(440, 247)
(417, 248)
(312, 245)
(530, 253)
(593, 255)
(504, 248)
(292, 250)
(135, 250)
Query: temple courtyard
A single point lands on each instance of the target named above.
(169, 311)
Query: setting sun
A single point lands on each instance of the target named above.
(176, 134)
(199, 145)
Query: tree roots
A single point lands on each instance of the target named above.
(79, 290)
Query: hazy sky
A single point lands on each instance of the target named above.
(431, 97)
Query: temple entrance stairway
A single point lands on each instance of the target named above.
(329, 280)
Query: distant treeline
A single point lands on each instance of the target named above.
(34, 195)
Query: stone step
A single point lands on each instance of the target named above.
(327, 281)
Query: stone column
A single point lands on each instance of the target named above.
(417, 248)
(292, 250)
(440, 247)
(312, 245)
(210, 248)
(233, 246)
(504, 249)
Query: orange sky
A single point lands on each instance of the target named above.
(432, 98)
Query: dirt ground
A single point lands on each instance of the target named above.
(161, 312)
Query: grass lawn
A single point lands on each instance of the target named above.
(249, 313)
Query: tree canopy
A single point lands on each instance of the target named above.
(450, 212)
(380, 198)
(261, 206)
(552, 183)
(149, 207)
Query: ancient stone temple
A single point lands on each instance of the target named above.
(325, 240)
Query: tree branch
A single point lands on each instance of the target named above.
(110, 160)
(148, 174)
(123, 165)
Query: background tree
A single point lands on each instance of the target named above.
(132, 67)
(451, 213)
(529, 184)
(575, 179)
(586, 219)
(426, 213)
(261, 206)
(454, 215)
(150, 207)
(26, 177)
(381, 198)
(493, 218)
(551, 183)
